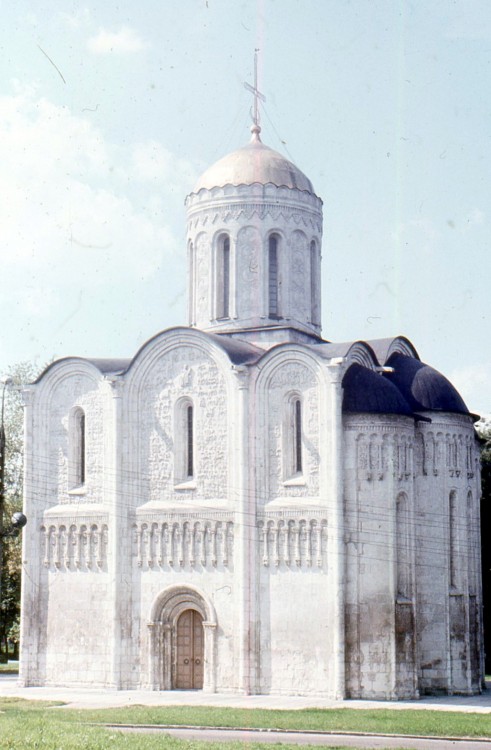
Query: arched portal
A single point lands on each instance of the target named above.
(182, 629)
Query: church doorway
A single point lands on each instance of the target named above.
(189, 651)
(182, 630)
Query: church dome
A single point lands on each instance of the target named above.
(252, 164)
(365, 391)
(424, 388)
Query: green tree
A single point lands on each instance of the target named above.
(483, 429)
(22, 373)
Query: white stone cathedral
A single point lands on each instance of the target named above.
(244, 506)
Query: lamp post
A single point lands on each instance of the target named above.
(18, 519)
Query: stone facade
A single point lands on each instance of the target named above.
(243, 506)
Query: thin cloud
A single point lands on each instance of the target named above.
(71, 220)
(126, 41)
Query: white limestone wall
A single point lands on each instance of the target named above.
(66, 587)
(78, 619)
(448, 559)
(298, 566)
(380, 604)
(249, 214)
(296, 613)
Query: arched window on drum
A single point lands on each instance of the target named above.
(273, 277)
(223, 277)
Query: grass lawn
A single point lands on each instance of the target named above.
(383, 720)
(31, 725)
(36, 725)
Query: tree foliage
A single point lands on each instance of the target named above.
(483, 429)
(22, 373)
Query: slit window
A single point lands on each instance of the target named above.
(273, 276)
(223, 278)
(297, 436)
(189, 442)
(81, 458)
(77, 449)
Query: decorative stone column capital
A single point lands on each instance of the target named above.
(116, 383)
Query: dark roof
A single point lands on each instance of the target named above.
(366, 391)
(424, 388)
(240, 352)
(105, 366)
(383, 348)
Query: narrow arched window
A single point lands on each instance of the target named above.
(273, 279)
(77, 448)
(297, 436)
(184, 456)
(189, 442)
(223, 277)
(292, 439)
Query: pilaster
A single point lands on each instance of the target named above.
(245, 524)
(117, 515)
(336, 527)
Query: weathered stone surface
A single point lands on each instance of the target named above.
(324, 553)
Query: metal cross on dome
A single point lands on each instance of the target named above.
(254, 90)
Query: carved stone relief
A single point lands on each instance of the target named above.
(76, 547)
(184, 372)
(293, 543)
(181, 545)
(379, 455)
(202, 276)
(299, 276)
(249, 271)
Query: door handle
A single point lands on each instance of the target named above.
(186, 661)
(197, 661)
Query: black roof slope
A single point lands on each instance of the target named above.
(366, 391)
(424, 388)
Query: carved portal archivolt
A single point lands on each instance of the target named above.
(166, 610)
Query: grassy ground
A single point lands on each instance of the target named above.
(29, 725)
(32, 725)
(382, 720)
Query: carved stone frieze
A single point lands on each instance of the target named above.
(382, 455)
(181, 545)
(293, 543)
(76, 546)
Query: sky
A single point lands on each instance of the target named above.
(110, 111)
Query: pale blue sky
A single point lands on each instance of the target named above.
(384, 105)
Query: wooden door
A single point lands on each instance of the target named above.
(189, 651)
